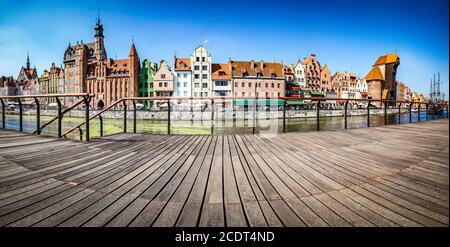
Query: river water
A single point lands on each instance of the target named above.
(220, 125)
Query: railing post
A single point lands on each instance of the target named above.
(345, 114)
(212, 116)
(38, 116)
(318, 115)
(58, 101)
(399, 112)
(86, 103)
(20, 115)
(81, 133)
(385, 112)
(134, 117)
(168, 116)
(426, 113)
(368, 113)
(124, 116)
(101, 125)
(418, 110)
(284, 116)
(254, 116)
(3, 114)
(410, 114)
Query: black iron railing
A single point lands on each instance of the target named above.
(83, 98)
(316, 104)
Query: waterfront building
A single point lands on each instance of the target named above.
(88, 70)
(381, 79)
(312, 72)
(257, 79)
(28, 80)
(201, 72)
(221, 79)
(7, 86)
(401, 91)
(183, 77)
(146, 76)
(344, 83)
(361, 89)
(55, 82)
(163, 80)
(44, 81)
(299, 74)
(325, 79)
(292, 86)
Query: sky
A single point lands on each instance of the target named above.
(347, 35)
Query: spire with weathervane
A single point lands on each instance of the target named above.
(99, 49)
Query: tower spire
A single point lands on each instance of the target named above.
(28, 59)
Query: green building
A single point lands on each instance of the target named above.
(146, 75)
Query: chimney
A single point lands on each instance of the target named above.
(261, 65)
(252, 64)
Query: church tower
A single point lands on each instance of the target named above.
(133, 61)
(99, 48)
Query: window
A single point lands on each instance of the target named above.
(235, 94)
(249, 84)
(178, 84)
(204, 67)
(278, 85)
(196, 76)
(243, 84)
(197, 85)
(196, 67)
(236, 84)
(243, 94)
(165, 84)
(278, 95)
(205, 85)
(273, 85)
(163, 76)
(206, 94)
(204, 76)
(146, 85)
(267, 85)
(178, 75)
(160, 84)
(184, 84)
(267, 94)
(146, 77)
(184, 93)
(203, 59)
(184, 75)
(197, 59)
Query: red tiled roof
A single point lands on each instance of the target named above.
(182, 64)
(249, 68)
(220, 71)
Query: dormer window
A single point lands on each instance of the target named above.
(221, 73)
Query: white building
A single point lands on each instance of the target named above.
(299, 74)
(183, 77)
(221, 79)
(201, 73)
(361, 89)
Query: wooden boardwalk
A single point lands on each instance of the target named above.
(396, 175)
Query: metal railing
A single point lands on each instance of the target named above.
(85, 99)
(318, 103)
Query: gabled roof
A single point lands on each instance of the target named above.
(374, 74)
(182, 64)
(241, 68)
(133, 51)
(390, 58)
(220, 71)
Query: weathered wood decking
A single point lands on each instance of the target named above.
(384, 176)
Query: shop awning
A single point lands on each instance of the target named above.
(299, 102)
(240, 102)
(316, 94)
